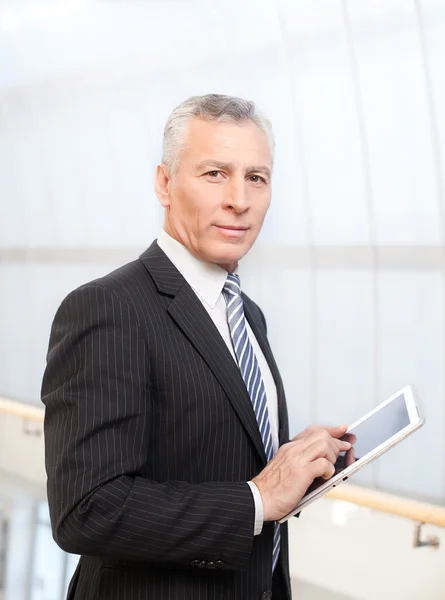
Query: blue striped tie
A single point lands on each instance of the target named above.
(250, 371)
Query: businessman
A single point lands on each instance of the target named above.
(167, 446)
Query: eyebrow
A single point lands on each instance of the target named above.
(230, 167)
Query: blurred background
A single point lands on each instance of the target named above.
(354, 240)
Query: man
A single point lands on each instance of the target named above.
(167, 446)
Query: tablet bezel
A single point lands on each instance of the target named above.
(416, 419)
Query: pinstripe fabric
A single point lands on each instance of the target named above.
(150, 438)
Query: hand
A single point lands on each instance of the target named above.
(336, 432)
(285, 479)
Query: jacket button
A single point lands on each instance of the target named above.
(220, 564)
(195, 563)
(202, 564)
(267, 595)
(210, 565)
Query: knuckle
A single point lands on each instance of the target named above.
(285, 448)
(326, 445)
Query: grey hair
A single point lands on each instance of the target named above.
(212, 107)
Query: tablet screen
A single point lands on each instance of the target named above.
(370, 433)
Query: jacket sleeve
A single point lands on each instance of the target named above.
(96, 390)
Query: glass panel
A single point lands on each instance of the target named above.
(48, 561)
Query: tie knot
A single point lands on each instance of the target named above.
(233, 285)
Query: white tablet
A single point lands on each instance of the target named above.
(377, 432)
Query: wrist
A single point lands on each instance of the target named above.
(263, 495)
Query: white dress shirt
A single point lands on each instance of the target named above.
(207, 281)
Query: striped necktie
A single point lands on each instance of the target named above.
(251, 374)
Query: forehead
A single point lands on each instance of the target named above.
(242, 143)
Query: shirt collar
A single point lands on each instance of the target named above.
(206, 279)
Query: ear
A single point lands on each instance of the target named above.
(163, 180)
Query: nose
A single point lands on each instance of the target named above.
(236, 197)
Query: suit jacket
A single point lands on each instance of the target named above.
(150, 439)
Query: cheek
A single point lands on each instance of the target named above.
(197, 200)
(261, 208)
(186, 206)
(199, 216)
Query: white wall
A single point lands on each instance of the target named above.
(354, 241)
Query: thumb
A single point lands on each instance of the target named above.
(338, 431)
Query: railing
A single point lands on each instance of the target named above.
(419, 512)
(28, 412)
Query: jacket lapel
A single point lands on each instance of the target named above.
(194, 321)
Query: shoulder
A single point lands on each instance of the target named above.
(125, 282)
(127, 287)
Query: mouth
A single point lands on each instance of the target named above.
(232, 231)
(233, 227)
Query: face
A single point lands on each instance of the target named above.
(216, 201)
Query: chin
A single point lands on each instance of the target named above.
(227, 259)
(225, 253)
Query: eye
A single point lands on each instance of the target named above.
(213, 174)
(257, 179)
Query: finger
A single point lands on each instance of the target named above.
(349, 437)
(310, 431)
(322, 433)
(328, 428)
(337, 445)
(343, 445)
(317, 446)
(322, 468)
(321, 449)
(338, 431)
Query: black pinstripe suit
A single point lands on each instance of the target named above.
(150, 439)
